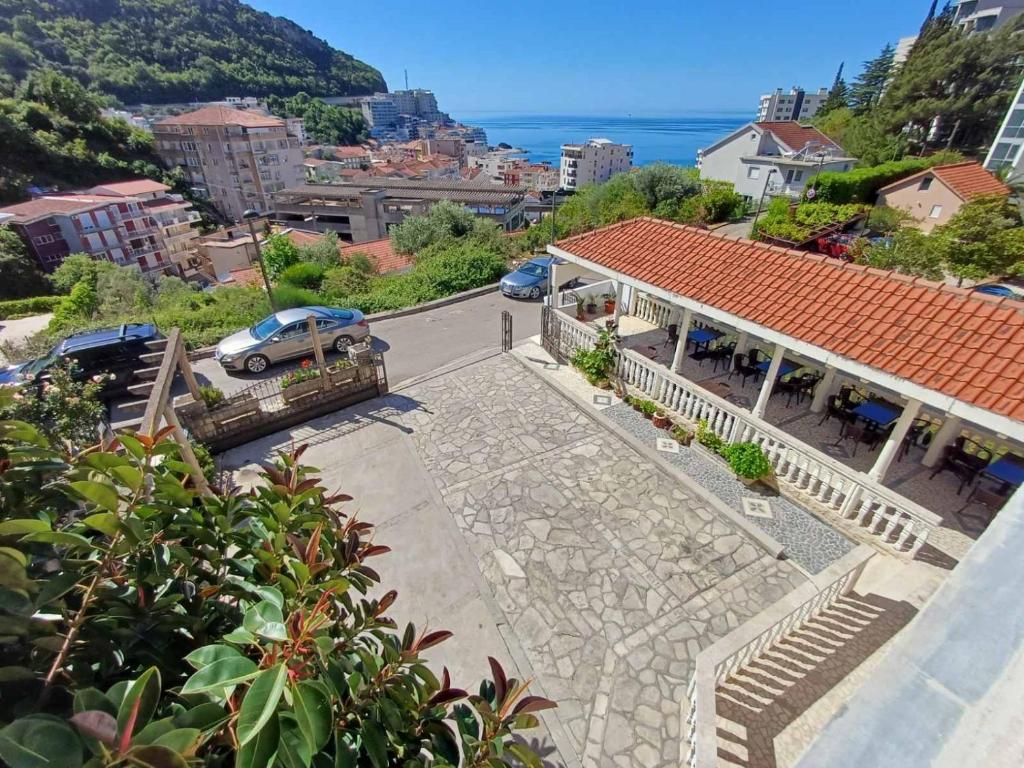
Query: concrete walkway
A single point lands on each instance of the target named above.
(540, 537)
(16, 331)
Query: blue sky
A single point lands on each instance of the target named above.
(607, 57)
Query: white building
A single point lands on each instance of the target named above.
(1006, 149)
(985, 15)
(903, 48)
(798, 104)
(380, 113)
(595, 161)
(772, 158)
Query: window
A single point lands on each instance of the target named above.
(43, 239)
(754, 172)
(1003, 155)
(935, 212)
(925, 184)
(293, 331)
(798, 176)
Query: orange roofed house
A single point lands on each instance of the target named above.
(933, 196)
(858, 383)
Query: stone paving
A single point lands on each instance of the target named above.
(612, 574)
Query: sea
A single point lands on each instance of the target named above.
(667, 139)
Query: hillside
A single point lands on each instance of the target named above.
(160, 51)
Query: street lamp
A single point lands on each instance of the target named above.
(760, 202)
(249, 216)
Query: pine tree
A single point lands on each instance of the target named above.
(838, 98)
(867, 88)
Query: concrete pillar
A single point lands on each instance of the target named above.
(742, 342)
(769, 382)
(553, 291)
(618, 301)
(892, 445)
(634, 296)
(824, 390)
(684, 327)
(948, 432)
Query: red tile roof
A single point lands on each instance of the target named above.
(224, 116)
(45, 206)
(247, 276)
(131, 187)
(969, 179)
(349, 151)
(380, 253)
(950, 340)
(796, 136)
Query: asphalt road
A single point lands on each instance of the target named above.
(413, 345)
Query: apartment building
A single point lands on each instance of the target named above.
(237, 158)
(380, 113)
(367, 209)
(1006, 153)
(130, 223)
(985, 15)
(592, 162)
(771, 158)
(798, 104)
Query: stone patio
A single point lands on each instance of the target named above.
(542, 538)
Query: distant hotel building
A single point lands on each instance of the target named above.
(130, 223)
(795, 105)
(593, 162)
(237, 158)
(1006, 151)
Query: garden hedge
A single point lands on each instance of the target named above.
(36, 305)
(861, 184)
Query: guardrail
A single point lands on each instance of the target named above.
(893, 520)
(567, 298)
(719, 661)
(653, 311)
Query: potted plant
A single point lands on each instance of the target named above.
(342, 371)
(300, 382)
(661, 419)
(210, 395)
(591, 304)
(580, 314)
(648, 408)
(609, 302)
(597, 363)
(682, 435)
(749, 462)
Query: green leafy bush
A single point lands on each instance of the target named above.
(861, 184)
(149, 625)
(597, 363)
(303, 275)
(211, 396)
(796, 224)
(707, 437)
(648, 407)
(747, 460)
(65, 410)
(344, 281)
(289, 297)
(37, 305)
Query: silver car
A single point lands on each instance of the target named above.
(285, 335)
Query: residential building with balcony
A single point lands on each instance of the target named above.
(367, 209)
(1005, 152)
(380, 113)
(237, 158)
(775, 159)
(798, 104)
(593, 162)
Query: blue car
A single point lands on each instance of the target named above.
(530, 281)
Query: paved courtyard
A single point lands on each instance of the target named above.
(540, 537)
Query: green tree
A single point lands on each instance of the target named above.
(838, 98)
(72, 270)
(323, 252)
(910, 252)
(279, 253)
(20, 275)
(66, 410)
(444, 222)
(983, 238)
(867, 88)
(886, 220)
(325, 123)
(661, 183)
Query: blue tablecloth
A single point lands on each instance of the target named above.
(880, 414)
(786, 367)
(1009, 469)
(702, 335)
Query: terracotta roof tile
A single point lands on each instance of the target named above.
(224, 116)
(950, 340)
(380, 253)
(969, 180)
(796, 136)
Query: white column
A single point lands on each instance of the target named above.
(742, 341)
(618, 301)
(948, 432)
(824, 390)
(769, 382)
(892, 445)
(553, 285)
(634, 295)
(684, 327)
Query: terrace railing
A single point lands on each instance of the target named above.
(748, 642)
(803, 471)
(653, 311)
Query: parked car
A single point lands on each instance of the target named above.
(114, 353)
(285, 335)
(530, 281)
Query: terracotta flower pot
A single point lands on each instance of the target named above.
(609, 306)
(661, 420)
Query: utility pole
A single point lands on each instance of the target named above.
(760, 203)
(249, 216)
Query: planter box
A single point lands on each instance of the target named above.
(360, 354)
(235, 407)
(343, 375)
(301, 390)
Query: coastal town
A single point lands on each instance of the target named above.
(336, 429)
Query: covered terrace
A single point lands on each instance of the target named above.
(899, 390)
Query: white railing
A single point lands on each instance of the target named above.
(653, 311)
(721, 660)
(802, 470)
(567, 298)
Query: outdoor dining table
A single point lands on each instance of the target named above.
(785, 368)
(702, 337)
(878, 413)
(1009, 470)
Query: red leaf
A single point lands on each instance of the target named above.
(305, 485)
(276, 476)
(500, 681)
(337, 498)
(431, 639)
(446, 679)
(97, 724)
(446, 696)
(126, 737)
(386, 602)
(376, 549)
(313, 547)
(533, 704)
